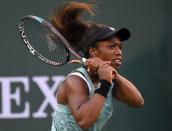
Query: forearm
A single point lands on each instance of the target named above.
(127, 92)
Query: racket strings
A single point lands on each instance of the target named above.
(45, 41)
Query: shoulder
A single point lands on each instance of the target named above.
(74, 83)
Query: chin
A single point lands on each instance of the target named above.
(116, 66)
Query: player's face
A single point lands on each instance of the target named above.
(110, 50)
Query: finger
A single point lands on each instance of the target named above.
(95, 65)
(89, 62)
(108, 62)
(113, 74)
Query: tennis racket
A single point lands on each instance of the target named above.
(46, 43)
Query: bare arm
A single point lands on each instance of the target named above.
(84, 109)
(127, 92)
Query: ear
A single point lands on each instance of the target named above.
(93, 52)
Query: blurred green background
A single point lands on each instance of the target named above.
(147, 63)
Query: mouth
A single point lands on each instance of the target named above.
(117, 62)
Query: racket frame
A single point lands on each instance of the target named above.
(52, 28)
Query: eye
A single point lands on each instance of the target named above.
(111, 46)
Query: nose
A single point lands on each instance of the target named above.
(118, 51)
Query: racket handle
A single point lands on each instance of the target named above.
(84, 60)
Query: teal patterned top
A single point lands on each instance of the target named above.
(63, 119)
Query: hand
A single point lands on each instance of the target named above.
(107, 72)
(93, 64)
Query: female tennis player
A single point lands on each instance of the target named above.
(84, 97)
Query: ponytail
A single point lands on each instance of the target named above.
(67, 20)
